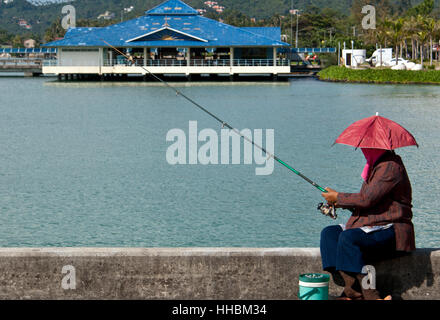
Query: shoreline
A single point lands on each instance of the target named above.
(378, 82)
(380, 76)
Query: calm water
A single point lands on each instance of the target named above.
(83, 164)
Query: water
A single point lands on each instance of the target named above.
(83, 164)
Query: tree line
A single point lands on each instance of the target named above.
(412, 35)
(410, 29)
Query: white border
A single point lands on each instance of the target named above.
(167, 28)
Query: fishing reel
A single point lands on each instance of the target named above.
(328, 210)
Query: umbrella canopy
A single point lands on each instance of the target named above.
(378, 133)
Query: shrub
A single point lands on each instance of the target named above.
(379, 75)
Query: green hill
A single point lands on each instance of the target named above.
(39, 18)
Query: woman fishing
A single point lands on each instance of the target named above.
(382, 210)
(380, 224)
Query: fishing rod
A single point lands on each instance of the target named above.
(224, 124)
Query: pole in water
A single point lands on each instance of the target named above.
(224, 124)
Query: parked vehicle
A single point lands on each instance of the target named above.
(392, 62)
(384, 55)
(401, 66)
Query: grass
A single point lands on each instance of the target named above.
(342, 74)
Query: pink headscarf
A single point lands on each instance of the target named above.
(371, 155)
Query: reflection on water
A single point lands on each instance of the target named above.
(97, 84)
(83, 163)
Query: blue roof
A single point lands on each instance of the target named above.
(72, 32)
(269, 32)
(177, 28)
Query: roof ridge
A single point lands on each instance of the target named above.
(168, 28)
(155, 10)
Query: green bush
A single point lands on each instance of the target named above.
(379, 75)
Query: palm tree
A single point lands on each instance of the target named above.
(423, 34)
(396, 32)
(436, 36)
(54, 31)
(381, 34)
(411, 28)
(430, 26)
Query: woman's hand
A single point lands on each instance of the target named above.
(331, 196)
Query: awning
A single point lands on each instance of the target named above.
(28, 50)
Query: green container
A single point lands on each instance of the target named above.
(313, 286)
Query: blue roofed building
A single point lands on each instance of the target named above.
(172, 38)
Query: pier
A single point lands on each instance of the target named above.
(192, 69)
(25, 60)
(29, 66)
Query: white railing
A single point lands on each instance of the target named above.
(50, 63)
(260, 62)
(178, 63)
(19, 62)
(69, 63)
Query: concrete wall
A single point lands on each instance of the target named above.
(193, 273)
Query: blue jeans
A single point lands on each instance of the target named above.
(352, 249)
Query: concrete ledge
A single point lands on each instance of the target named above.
(192, 273)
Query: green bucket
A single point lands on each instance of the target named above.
(313, 286)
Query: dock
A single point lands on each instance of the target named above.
(29, 66)
(25, 60)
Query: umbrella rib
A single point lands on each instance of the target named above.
(389, 135)
(365, 133)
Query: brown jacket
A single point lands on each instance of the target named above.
(384, 198)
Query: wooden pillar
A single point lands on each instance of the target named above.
(231, 62)
(101, 59)
(188, 57)
(232, 56)
(145, 57)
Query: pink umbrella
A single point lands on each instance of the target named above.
(377, 133)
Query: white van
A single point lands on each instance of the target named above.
(384, 55)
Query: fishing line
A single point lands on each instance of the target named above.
(224, 124)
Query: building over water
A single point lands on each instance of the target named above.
(172, 38)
